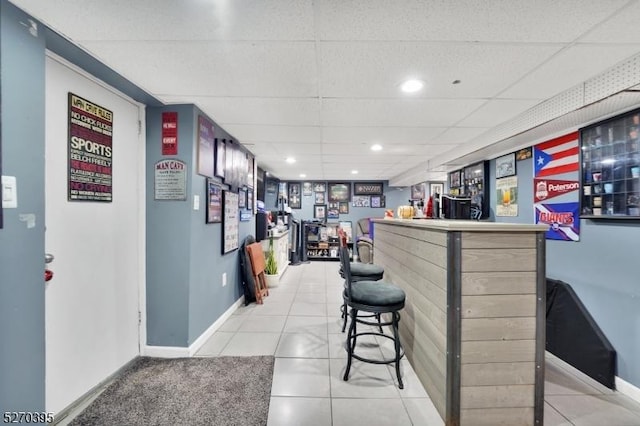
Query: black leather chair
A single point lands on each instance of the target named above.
(378, 298)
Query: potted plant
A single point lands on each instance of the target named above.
(271, 267)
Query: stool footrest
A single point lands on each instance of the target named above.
(371, 360)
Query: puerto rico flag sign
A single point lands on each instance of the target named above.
(563, 220)
(556, 156)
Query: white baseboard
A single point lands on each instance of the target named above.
(197, 344)
(165, 351)
(628, 389)
(180, 352)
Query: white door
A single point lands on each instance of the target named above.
(92, 302)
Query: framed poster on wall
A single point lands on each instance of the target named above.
(230, 222)
(214, 202)
(339, 192)
(220, 158)
(205, 147)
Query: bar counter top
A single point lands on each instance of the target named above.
(464, 225)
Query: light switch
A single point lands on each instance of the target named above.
(196, 202)
(9, 192)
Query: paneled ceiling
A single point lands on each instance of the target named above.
(319, 80)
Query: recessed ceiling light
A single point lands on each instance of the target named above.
(290, 160)
(302, 175)
(354, 172)
(376, 147)
(412, 86)
(456, 82)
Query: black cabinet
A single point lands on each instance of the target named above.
(473, 182)
(322, 242)
(610, 168)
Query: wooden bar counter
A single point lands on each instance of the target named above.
(474, 322)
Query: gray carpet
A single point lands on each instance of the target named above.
(186, 391)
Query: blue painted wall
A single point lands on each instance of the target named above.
(601, 267)
(22, 327)
(184, 254)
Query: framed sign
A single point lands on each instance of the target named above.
(454, 179)
(319, 187)
(339, 191)
(170, 180)
(206, 143)
(242, 198)
(343, 207)
(221, 161)
(524, 154)
(333, 210)
(169, 133)
(506, 165)
(295, 195)
(368, 188)
(307, 188)
(361, 201)
(90, 151)
(378, 201)
(250, 199)
(214, 202)
(230, 222)
(418, 191)
(320, 198)
(320, 211)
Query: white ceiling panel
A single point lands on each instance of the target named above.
(273, 111)
(377, 69)
(473, 20)
(221, 69)
(622, 27)
(390, 112)
(253, 133)
(581, 62)
(178, 20)
(319, 79)
(497, 111)
(371, 135)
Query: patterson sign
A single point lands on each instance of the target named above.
(544, 189)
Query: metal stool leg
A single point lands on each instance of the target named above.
(396, 335)
(350, 345)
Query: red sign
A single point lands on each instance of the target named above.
(169, 133)
(544, 189)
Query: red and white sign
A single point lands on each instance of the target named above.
(169, 133)
(556, 156)
(544, 189)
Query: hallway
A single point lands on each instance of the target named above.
(300, 324)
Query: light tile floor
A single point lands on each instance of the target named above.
(300, 324)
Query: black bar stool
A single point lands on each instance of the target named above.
(360, 272)
(377, 298)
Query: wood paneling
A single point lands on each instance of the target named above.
(498, 351)
(499, 305)
(492, 240)
(522, 416)
(432, 253)
(498, 283)
(427, 235)
(518, 373)
(499, 328)
(479, 260)
(496, 396)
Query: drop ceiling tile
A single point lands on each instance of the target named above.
(431, 151)
(619, 28)
(178, 20)
(363, 150)
(370, 135)
(296, 150)
(497, 111)
(377, 69)
(355, 160)
(221, 69)
(469, 20)
(272, 111)
(396, 112)
(569, 67)
(459, 135)
(256, 133)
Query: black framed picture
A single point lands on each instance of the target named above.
(242, 198)
(319, 187)
(295, 195)
(250, 199)
(271, 186)
(214, 202)
(506, 165)
(377, 201)
(307, 188)
(454, 179)
(320, 211)
(418, 191)
(339, 192)
(368, 188)
(343, 207)
(319, 198)
(220, 158)
(230, 222)
(333, 210)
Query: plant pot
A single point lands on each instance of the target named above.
(272, 280)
